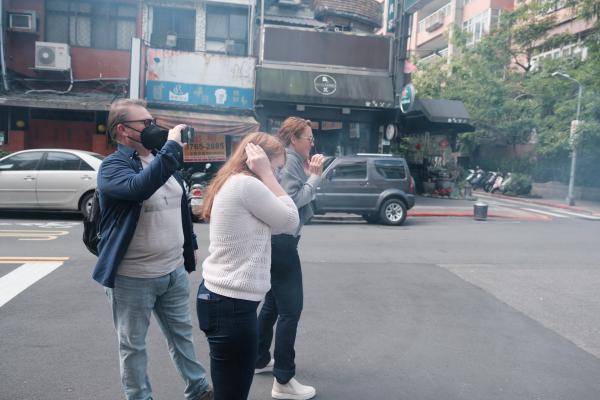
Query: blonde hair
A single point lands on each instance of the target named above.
(119, 112)
(237, 165)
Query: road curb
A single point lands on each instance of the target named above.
(538, 202)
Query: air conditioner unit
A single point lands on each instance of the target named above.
(434, 24)
(22, 21)
(52, 56)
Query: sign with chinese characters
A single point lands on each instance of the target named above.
(206, 148)
(391, 15)
(204, 79)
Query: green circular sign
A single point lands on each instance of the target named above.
(407, 98)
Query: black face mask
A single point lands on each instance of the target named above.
(153, 137)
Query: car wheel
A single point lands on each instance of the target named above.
(371, 218)
(393, 212)
(85, 206)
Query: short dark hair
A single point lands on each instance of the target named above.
(119, 111)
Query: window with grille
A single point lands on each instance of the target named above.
(227, 30)
(174, 28)
(104, 25)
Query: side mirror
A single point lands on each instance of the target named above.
(5, 167)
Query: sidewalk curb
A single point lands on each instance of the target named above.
(538, 202)
(452, 214)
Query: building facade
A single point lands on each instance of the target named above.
(198, 68)
(226, 68)
(63, 63)
(320, 61)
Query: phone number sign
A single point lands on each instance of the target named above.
(206, 148)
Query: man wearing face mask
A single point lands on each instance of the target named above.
(147, 247)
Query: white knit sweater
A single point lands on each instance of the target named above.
(244, 215)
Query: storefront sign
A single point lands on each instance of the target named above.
(407, 99)
(325, 84)
(194, 94)
(205, 79)
(391, 15)
(340, 90)
(206, 148)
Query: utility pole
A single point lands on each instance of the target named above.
(401, 34)
(570, 196)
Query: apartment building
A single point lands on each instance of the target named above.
(430, 33)
(566, 21)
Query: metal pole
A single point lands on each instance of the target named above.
(570, 195)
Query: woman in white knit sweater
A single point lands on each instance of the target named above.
(245, 204)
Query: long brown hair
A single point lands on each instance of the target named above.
(292, 126)
(237, 165)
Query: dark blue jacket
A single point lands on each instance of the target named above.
(123, 185)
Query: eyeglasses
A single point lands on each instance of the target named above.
(147, 122)
(310, 138)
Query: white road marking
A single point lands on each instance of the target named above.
(545, 213)
(32, 234)
(47, 225)
(26, 275)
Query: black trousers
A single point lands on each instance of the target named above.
(283, 304)
(230, 326)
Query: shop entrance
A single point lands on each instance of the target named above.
(337, 138)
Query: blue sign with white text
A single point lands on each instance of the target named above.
(202, 95)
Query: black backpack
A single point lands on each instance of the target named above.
(91, 226)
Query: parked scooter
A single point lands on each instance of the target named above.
(490, 180)
(506, 183)
(497, 183)
(198, 181)
(476, 181)
(196, 201)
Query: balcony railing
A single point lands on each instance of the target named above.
(434, 20)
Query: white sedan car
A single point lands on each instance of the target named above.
(50, 179)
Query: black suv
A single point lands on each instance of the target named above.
(377, 186)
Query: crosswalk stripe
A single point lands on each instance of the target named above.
(21, 260)
(21, 278)
(545, 212)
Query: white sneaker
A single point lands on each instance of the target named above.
(267, 368)
(293, 390)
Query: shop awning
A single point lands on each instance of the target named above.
(207, 123)
(324, 88)
(437, 115)
(72, 101)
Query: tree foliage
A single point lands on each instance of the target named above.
(513, 101)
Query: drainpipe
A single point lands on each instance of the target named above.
(262, 31)
(4, 82)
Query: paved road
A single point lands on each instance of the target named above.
(441, 308)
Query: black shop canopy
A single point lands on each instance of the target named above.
(436, 116)
(324, 88)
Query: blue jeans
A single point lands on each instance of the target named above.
(283, 304)
(133, 301)
(230, 327)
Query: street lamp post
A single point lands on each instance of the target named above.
(570, 196)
